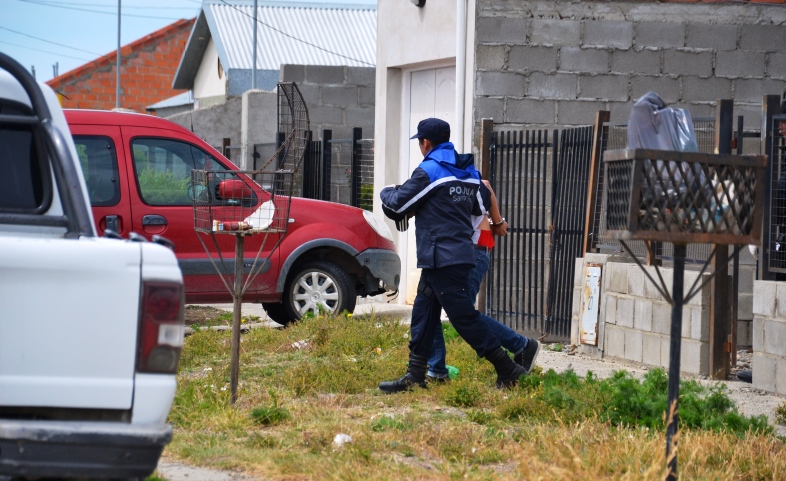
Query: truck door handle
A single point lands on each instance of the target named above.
(112, 223)
(154, 219)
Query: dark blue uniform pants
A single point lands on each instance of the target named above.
(447, 287)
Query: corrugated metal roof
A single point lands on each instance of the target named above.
(303, 35)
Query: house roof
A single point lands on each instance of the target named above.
(292, 32)
(125, 50)
(186, 98)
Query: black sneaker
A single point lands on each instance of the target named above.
(512, 379)
(527, 357)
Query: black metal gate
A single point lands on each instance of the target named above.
(541, 184)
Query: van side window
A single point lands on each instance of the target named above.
(24, 186)
(163, 169)
(98, 159)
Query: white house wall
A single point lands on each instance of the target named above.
(207, 83)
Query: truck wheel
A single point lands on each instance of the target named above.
(319, 283)
(277, 312)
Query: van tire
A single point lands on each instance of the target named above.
(277, 313)
(322, 282)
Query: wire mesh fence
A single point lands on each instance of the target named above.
(775, 241)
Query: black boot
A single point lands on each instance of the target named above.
(416, 375)
(508, 372)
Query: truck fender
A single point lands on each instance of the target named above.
(302, 249)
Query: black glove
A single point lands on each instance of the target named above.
(401, 220)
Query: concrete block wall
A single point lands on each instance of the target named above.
(634, 322)
(769, 336)
(338, 97)
(555, 63)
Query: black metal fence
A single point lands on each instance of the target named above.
(336, 170)
(540, 179)
(774, 238)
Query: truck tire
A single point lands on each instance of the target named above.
(316, 283)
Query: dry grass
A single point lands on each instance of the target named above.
(461, 430)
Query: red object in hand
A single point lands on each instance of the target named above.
(234, 189)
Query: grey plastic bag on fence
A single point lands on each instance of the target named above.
(652, 125)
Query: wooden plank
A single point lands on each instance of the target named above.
(601, 117)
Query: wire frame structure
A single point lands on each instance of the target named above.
(684, 197)
(293, 130)
(229, 202)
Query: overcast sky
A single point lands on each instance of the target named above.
(41, 33)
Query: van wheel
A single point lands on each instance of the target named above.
(319, 283)
(277, 312)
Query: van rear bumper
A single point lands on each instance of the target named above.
(80, 449)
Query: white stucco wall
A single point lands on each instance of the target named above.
(206, 82)
(409, 39)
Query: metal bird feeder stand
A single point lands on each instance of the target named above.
(682, 198)
(245, 203)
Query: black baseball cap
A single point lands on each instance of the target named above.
(434, 129)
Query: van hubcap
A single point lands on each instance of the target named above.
(315, 289)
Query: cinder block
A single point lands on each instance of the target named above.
(633, 345)
(614, 344)
(667, 88)
(360, 117)
(340, 96)
(584, 60)
(642, 315)
(661, 318)
(650, 288)
(650, 350)
(695, 357)
(609, 311)
(608, 33)
(556, 86)
(739, 63)
(490, 57)
(367, 95)
(555, 32)
(763, 368)
(606, 87)
(618, 277)
(636, 280)
(577, 112)
(500, 83)
(758, 334)
(776, 65)
(625, 312)
(780, 376)
(696, 89)
(677, 62)
(631, 61)
(696, 109)
(366, 76)
(764, 298)
(747, 273)
(293, 73)
(529, 111)
(780, 300)
(325, 74)
(319, 114)
(775, 337)
(532, 58)
(702, 298)
(659, 34)
(744, 334)
(714, 36)
(686, 317)
(490, 108)
(700, 324)
(665, 347)
(761, 37)
(505, 30)
(578, 272)
(745, 307)
(620, 111)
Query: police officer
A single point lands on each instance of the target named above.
(443, 193)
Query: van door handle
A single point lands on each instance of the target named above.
(154, 219)
(112, 223)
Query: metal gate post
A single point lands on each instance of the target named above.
(354, 192)
(770, 106)
(720, 328)
(327, 158)
(592, 190)
(675, 348)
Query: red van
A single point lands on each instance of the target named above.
(330, 254)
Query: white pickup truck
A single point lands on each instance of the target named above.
(90, 328)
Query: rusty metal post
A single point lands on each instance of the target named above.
(601, 117)
(237, 296)
(486, 127)
(720, 320)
